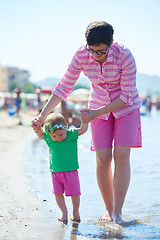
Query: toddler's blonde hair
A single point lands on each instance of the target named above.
(55, 118)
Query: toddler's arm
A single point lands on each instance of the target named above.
(83, 128)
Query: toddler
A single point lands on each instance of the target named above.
(63, 158)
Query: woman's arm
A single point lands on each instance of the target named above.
(89, 114)
(50, 105)
(48, 108)
(61, 91)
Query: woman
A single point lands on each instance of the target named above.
(113, 110)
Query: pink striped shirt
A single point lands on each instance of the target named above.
(116, 79)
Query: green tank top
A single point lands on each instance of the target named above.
(63, 156)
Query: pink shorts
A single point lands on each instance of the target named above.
(124, 131)
(67, 182)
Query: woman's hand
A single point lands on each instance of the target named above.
(48, 108)
(37, 122)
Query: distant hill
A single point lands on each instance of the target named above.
(52, 81)
(149, 84)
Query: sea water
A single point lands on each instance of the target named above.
(141, 210)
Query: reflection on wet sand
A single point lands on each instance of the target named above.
(111, 231)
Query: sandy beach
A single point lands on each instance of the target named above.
(23, 216)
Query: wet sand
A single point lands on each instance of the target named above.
(23, 216)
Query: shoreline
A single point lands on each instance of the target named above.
(23, 216)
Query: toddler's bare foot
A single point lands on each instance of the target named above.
(76, 220)
(76, 217)
(106, 218)
(64, 218)
(65, 221)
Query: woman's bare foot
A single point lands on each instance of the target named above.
(118, 219)
(106, 218)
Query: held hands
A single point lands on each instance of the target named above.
(37, 122)
(88, 114)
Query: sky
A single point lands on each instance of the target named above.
(41, 36)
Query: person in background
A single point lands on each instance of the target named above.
(63, 159)
(38, 93)
(18, 99)
(65, 112)
(148, 104)
(113, 112)
(72, 119)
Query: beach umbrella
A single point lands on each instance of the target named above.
(80, 94)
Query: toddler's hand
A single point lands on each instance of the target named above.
(36, 123)
(87, 115)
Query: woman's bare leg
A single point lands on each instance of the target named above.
(121, 179)
(105, 181)
(62, 205)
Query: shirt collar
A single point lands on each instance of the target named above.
(110, 55)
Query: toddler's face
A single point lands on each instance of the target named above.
(59, 135)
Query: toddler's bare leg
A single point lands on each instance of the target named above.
(76, 204)
(62, 205)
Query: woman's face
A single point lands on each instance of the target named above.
(101, 58)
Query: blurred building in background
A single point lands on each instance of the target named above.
(11, 77)
(18, 76)
(4, 84)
